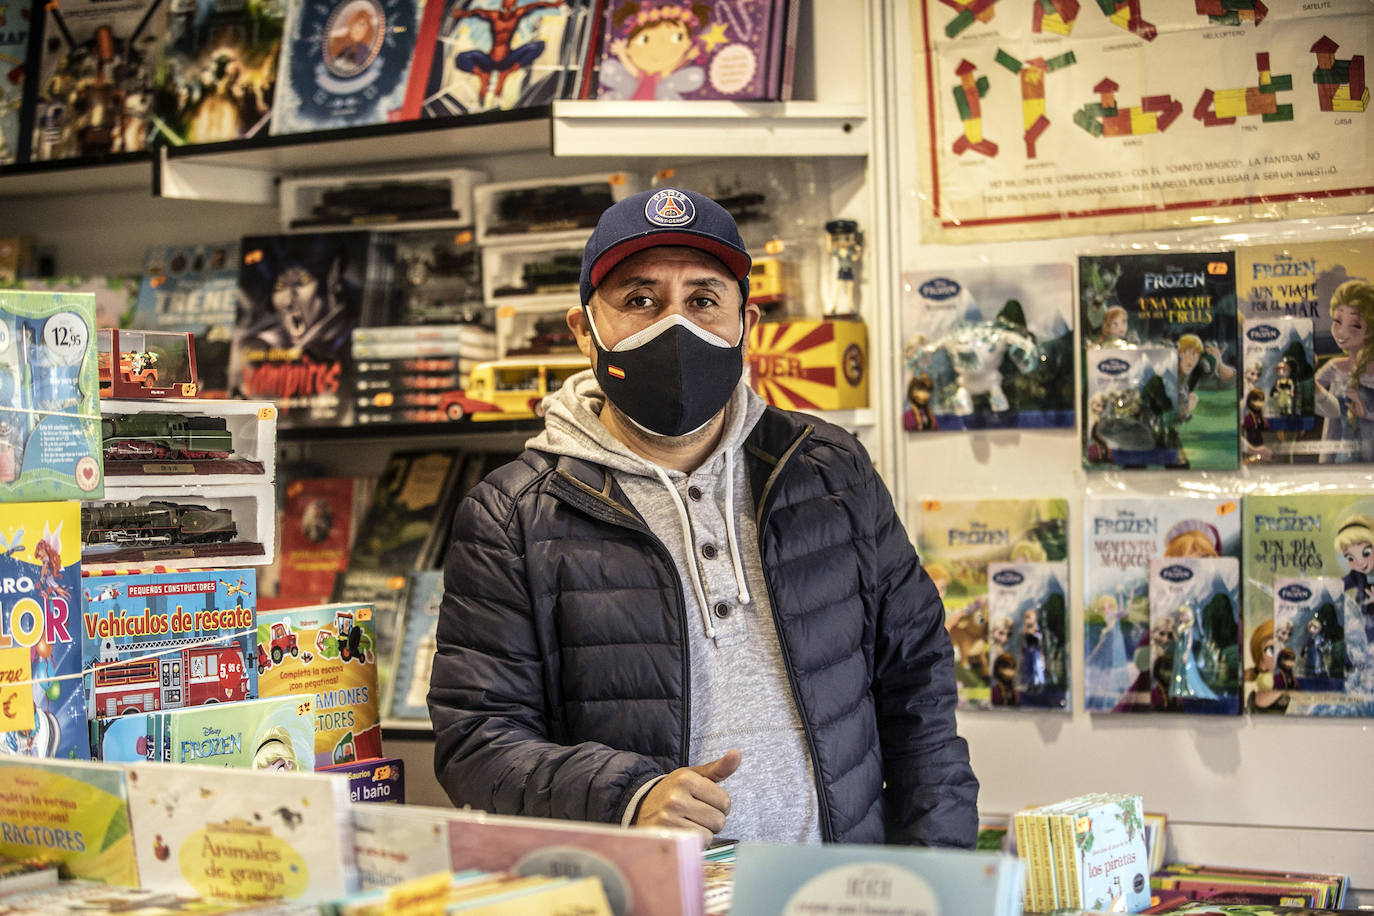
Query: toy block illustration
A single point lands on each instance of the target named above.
(969, 11)
(1055, 16)
(1032, 73)
(1232, 12)
(1219, 107)
(967, 94)
(1126, 14)
(1105, 118)
(1340, 83)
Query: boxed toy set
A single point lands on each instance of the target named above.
(810, 365)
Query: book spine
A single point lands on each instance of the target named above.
(426, 43)
(789, 52)
(1045, 859)
(1059, 843)
(1030, 900)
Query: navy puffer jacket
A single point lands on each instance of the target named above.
(561, 680)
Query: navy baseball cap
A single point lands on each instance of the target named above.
(666, 216)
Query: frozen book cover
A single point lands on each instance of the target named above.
(1310, 536)
(492, 55)
(957, 539)
(988, 347)
(1122, 535)
(1198, 600)
(1277, 406)
(193, 288)
(712, 49)
(343, 63)
(242, 836)
(273, 733)
(416, 647)
(74, 813)
(1024, 600)
(42, 710)
(1131, 398)
(328, 652)
(1307, 613)
(159, 641)
(1329, 287)
(1182, 301)
(217, 70)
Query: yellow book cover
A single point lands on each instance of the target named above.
(583, 896)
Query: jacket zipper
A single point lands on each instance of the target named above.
(827, 834)
(628, 519)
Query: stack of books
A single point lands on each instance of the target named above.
(1085, 853)
(1178, 884)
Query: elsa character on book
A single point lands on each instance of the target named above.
(650, 58)
(1032, 652)
(1109, 670)
(1187, 681)
(1345, 384)
(1355, 542)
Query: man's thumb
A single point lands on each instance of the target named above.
(721, 767)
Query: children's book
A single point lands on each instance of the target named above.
(1025, 600)
(42, 710)
(103, 900)
(20, 875)
(858, 879)
(93, 78)
(482, 55)
(1122, 535)
(1159, 360)
(193, 288)
(717, 49)
(416, 646)
(317, 526)
(1197, 601)
(242, 836)
(343, 64)
(273, 733)
(14, 49)
(73, 813)
(217, 70)
(957, 540)
(396, 844)
(1295, 544)
(159, 641)
(988, 347)
(1109, 860)
(1307, 303)
(378, 780)
(330, 653)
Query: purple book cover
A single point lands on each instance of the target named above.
(711, 49)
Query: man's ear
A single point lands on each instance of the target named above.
(751, 318)
(577, 323)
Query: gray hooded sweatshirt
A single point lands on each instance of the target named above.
(740, 695)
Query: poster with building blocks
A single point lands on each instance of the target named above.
(1305, 308)
(1295, 544)
(988, 347)
(42, 710)
(957, 540)
(1061, 117)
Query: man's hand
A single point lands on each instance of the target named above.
(690, 798)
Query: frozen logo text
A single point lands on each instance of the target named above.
(979, 535)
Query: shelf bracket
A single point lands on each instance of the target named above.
(183, 179)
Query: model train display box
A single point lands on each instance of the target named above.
(547, 209)
(147, 364)
(49, 398)
(533, 276)
(189, 442)
(810, 365)
(409, 200)
(168, 640)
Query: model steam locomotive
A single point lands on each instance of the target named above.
(155, 524)
(161, 435)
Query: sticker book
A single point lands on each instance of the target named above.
(957, 539)
(1323, 290)
(1309, 537)
(1122, 536)
(1024, 601)
(1184, 304)
(42, 709)
(988, 347)
(1197, 600)
(160, 641)
(328, 652)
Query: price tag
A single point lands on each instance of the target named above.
(5, 336)
(64, 336)
(266, 413)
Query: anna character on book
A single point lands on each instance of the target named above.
(1004, 681)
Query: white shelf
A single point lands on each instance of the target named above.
(853, 418)
(709, 129)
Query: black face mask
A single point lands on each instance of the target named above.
(669, 378)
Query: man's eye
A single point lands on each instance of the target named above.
(639, 302)
(704, 302)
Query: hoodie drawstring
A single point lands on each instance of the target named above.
(730, 526)
(687, 540)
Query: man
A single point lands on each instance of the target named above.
(681, 607)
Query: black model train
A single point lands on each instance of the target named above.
(158, 523)
(165, 435)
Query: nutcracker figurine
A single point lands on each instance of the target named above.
(846, 246)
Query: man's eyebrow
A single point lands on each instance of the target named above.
(707, 281)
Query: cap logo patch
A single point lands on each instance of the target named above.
(670, 207)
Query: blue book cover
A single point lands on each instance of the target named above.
(874, 879)
(169, 640)
(42, 711)
(415, 652)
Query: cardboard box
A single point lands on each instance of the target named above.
(810, 365)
